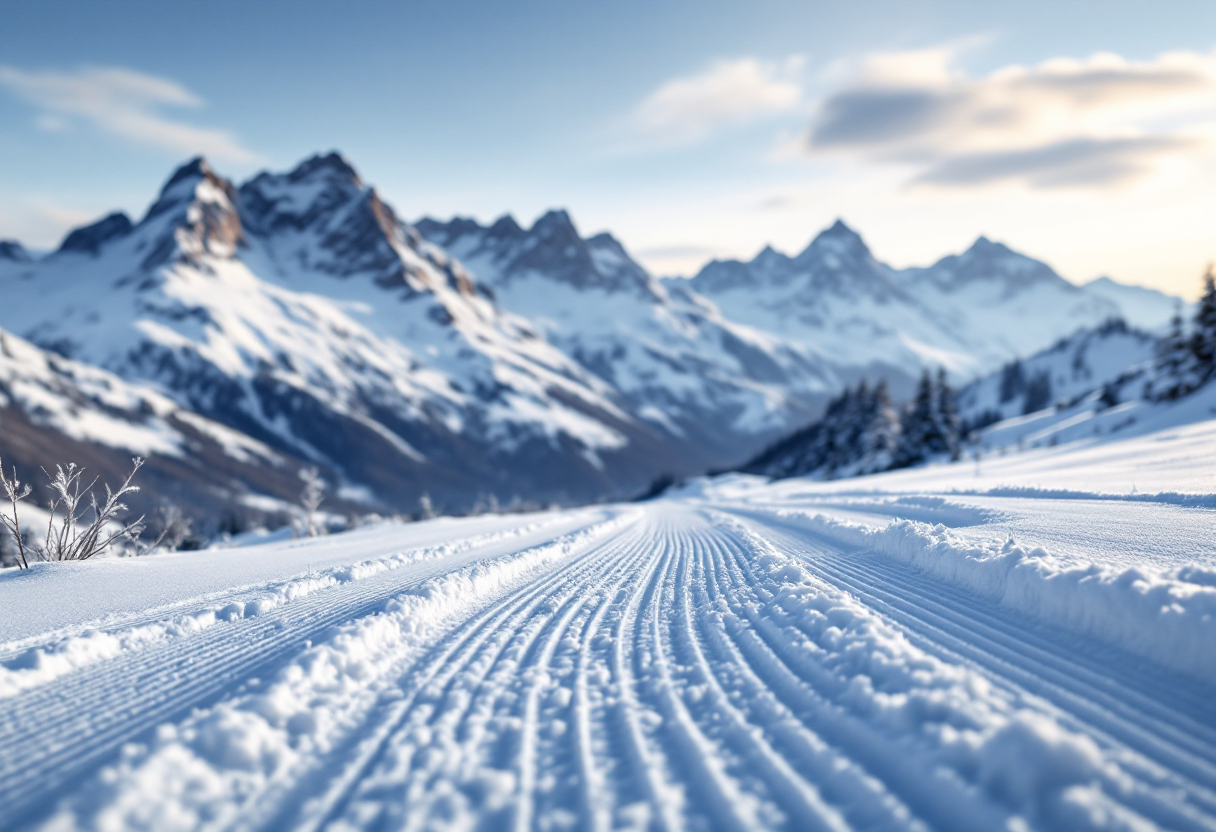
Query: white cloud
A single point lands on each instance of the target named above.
(1095, 122)
(123, 103)
(728, 93)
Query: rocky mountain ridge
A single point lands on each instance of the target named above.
(468, 362)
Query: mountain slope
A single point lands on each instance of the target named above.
(300, 311)
(55, 410)
(1075, 368)
(676, 361)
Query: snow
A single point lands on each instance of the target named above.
(1024, 645)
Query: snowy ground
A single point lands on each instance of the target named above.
(1026, 645)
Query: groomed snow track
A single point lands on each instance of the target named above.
(658, 667)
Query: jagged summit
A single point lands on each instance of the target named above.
(838, 239)
(330, 165)
(555, 221)
(196, 168)
(552, 248)
(91, 238)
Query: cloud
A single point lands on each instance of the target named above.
(123, 103)
(688, 109)
(1096, 122)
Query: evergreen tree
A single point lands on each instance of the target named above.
(1013, 381)
(1203, 340)
(1038, 393)
(947, 414)
(1173, 358)
(881, 440)
(918, 425)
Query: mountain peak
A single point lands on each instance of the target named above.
(838, 240)
(182, 187)
(505, 227)
(555, 221)
(331, 165)
(196, 168)
(984, 246)
(839, 231)
(90, 238)
(13, 250)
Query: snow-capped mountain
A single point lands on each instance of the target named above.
(718, 387)
(1112, 359)
(54, 409)
(969, 312)
(300, 311)
(470, 361)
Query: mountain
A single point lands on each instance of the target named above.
(969, 312)
(1143, 308)
(467, 362)
(300, 311)
(53, 409)
(718, 387)
(1113, 358)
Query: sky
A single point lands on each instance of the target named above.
(1080, 133)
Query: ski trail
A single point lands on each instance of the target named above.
(680, 668)
(52, 735)
(1170, 752)
(454, 708)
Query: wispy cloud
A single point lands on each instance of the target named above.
(688, 109)
(1096, 122)
(123, 103)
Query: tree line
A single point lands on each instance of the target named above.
(863, 432)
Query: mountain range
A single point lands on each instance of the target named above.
(296, 320)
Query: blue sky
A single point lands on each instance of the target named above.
(1081, 133)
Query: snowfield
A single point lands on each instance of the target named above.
(1026, 643)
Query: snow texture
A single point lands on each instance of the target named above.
(945, 648)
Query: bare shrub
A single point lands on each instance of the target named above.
(79, 527)
(16, 492)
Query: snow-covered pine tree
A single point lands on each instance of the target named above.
(1186, 364)
(949, 423)
(1013, 381)
(881, 438)
(930, 425)
(1173, 358)
(918, 425)
(1203, 337)
(1038, 393)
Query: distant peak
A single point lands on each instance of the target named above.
(837, 237)
(329, 164)
(604, 238)
(196, 168)
(558, 218)
(505, 226)
(13, 250)
(91, 238)
(983, 245)
(768, 254)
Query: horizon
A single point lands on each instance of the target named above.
(690, 135)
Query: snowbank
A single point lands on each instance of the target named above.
(1168, 616)
(950, 744)
(37, 665)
